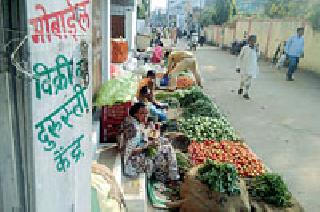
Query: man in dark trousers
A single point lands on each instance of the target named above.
(294, 50)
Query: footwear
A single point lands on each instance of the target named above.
(240, 91)
(246, 96)
(290, 78)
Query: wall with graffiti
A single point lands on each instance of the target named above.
(60, 55)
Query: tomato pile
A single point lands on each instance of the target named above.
(236, 153)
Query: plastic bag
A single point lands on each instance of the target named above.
(118, 90)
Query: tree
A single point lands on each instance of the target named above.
(219, 13)
(314, 16)
(277, 8)
(141, 12)
(286, 8)
(222, 11)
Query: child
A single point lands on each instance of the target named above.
(248, 64)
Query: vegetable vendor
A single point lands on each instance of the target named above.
(189, 64)
(148, 81)
(162, 163)
(155, 108)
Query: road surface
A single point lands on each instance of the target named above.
(281, 123)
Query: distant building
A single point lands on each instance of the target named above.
(177, 13)
(159, 17)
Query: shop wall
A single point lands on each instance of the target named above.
(60, 57)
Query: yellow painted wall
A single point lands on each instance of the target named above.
(228, 36)
(312, 50)
(241, 27)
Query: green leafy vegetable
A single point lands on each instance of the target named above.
(271, 188)
(221, 178)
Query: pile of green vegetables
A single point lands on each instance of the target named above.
(206, 128)
(271, 189)
(192, 95)
(222, 178)
(202, 107)
(183, 162)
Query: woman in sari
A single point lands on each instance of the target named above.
(136, 160)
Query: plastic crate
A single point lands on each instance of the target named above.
(112, 118)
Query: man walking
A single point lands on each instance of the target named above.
(294, 49)
(247, 65)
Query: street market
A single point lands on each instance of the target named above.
(205, 151)
(159, 105)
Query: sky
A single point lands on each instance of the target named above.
(158, 3)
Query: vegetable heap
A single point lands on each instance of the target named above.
(236, 153)
(202, 107)
(192, 95)
(184, 82)
(205, 128)
(221, 178)
(271, 189)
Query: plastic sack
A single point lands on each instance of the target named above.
(118, 90)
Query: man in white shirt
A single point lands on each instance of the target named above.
(247, 65)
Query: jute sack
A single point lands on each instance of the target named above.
(197, 197)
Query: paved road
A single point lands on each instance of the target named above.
(281, 123)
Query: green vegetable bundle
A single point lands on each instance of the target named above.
(192, 95)
(202, 107)
(206, 128)
(271, 189)
(221, 178)
(183, 162)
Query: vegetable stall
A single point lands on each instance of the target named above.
(218, 164)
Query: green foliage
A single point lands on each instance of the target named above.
(286, 8)
(141, 12)
(271, 189)
(222, 178)
(277, 8)
(220, 13)
(314, 16)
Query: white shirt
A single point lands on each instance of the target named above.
(248, 61)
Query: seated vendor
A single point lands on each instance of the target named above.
(148, 81)
(162, 164)
(154, 107)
